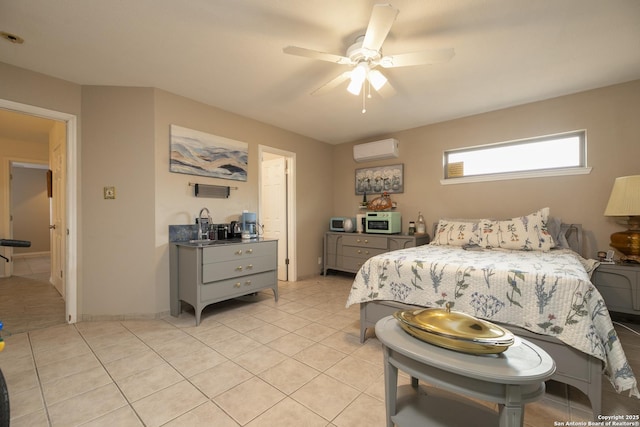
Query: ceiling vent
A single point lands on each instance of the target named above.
(378, 150)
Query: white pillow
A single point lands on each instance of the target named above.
(528, 233)
(455, 233)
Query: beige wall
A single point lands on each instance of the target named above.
(176, 204)
(610, 116)
(118, 235)
(29, 87)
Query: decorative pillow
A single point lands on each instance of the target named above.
(528, 233)
(455, 233)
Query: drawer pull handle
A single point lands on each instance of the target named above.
(249, 267)
(249, 251)
(359, 251)
(247, 283)
(366, 252)
(236, 285)
(239, 268)
(366, 241)
(239, 252)
(358, 240)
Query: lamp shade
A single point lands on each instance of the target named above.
(625, 197)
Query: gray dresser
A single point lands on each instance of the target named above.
(348, 251)
(206, 274)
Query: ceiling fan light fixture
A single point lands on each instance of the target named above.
(354, 87)
(377, 79)
(358, 76)
(365, 55)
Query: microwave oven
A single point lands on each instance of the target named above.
(383, 222)
(337, 223)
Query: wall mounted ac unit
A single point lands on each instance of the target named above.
(378, 150)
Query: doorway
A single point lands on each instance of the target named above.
(29, 204)
(277, 206)
(67, 190)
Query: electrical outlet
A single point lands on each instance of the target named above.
(319, 260)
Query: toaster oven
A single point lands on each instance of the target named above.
(383, 222)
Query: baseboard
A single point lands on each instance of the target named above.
(31, 255)
(122, 317)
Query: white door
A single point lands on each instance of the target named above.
(57, 224)
(273, 211)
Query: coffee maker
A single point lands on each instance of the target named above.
(249, 225)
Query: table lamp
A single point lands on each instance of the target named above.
(625, 202)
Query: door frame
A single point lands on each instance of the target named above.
(291, 203)
(71, 205)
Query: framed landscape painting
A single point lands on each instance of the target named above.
(199, 153)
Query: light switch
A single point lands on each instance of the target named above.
(109, 192)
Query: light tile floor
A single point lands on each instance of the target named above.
(251, 362)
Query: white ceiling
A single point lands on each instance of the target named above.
(229, 54)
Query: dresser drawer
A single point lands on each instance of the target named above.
(238, 267)
(238, 286)
(352, 264)
(231, 251)
(362, 240)
(348, 251)
(360, 252)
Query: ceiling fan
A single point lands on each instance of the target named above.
(365, 55)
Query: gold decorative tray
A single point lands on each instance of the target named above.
(455, 330)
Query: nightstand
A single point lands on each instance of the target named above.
(619, 285)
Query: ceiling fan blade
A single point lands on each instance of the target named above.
(332, 84)
(314, 54)
(425, 57)
(382, 18)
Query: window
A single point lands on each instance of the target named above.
(561, 154)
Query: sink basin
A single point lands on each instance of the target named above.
(225, 242)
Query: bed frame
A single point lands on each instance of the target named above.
(573, 367)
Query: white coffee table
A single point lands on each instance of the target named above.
(511, 379)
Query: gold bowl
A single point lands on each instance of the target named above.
(455, 330)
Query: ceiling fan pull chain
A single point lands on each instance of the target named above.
(364, 100)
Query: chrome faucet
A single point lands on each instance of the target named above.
(204, 234)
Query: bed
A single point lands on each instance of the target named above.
(518, 273)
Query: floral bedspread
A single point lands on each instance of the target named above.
(545, 292)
